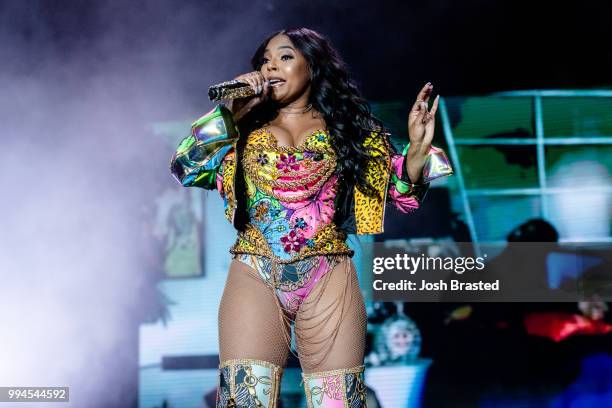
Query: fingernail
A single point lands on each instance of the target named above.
(429, 83)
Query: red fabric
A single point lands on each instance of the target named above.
(559, 326)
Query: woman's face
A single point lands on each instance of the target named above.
(400, 340)
(287, 69)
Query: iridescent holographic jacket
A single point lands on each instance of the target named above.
(206, 158)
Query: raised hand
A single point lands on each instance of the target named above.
(421, 125)
(421, 121)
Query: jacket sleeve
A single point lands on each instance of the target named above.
(198, 160)
(403, 193)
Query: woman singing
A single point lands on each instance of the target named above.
(300, 164)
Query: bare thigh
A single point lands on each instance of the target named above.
(249, 321)
(330, 326)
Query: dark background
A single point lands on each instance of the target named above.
(393, 47)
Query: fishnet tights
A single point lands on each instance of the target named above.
(249, 326)
(330, 326)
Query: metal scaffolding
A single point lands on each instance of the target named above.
(540, 141)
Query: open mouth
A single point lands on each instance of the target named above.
(276, 82)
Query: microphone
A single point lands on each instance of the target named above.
(230, 90)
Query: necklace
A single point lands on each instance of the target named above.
(302, 109)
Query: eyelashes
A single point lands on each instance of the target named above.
(265, 60)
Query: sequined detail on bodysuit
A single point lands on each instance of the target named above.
(291, 282)
(290, 199)
(291, 239)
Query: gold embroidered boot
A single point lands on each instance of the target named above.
(343, 388)
(248, 383)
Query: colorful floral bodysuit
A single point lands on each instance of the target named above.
(291, 239)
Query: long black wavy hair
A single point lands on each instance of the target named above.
(335, 95)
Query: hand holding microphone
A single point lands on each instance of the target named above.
(242, 93)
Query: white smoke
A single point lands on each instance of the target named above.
(79, 164)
